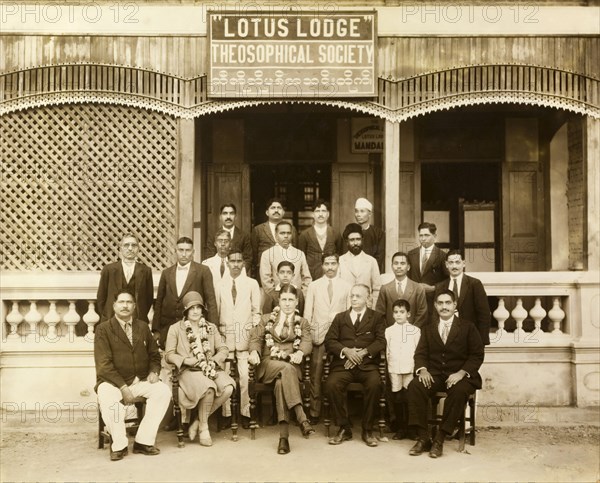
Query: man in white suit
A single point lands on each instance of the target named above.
(327, 296)
(239, 308)
(358, 268)
(218, 262)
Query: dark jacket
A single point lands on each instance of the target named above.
(112, 279)
(118, 362)
(169, 306)
(435, 268)
(370, 335)
(463, 350)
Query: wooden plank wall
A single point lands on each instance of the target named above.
(398, 57)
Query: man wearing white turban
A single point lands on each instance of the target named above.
(373, 236)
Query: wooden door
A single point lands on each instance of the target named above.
(227, 183)
(350, 181)
(523, 217)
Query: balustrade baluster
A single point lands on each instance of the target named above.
(501, 314)
(556, 314)
(33, 318)
(71, 319)
(91, 318)
(14, 318)
(51, 319)
(537, 313)
(519, 314)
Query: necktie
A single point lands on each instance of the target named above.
(399, 289)
(424, 258)
(445, 332)
(222, 267)
(285, 331)
(455, 288)
(330, 290)
(233, 290)
(357, 321)
(129, 332)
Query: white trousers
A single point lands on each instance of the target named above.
(114, 411)
(242, 366)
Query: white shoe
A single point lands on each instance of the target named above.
(205, 439)
(193, 431)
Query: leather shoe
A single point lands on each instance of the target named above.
(284, 446)
(420, 447)
(400, 434)
(437, 449)
(245, 422)
(118, 455)
(342, 435)
(145, 449)
(306, 428)
(368, 438)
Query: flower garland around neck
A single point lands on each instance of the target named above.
(203, 352)
(276, 352)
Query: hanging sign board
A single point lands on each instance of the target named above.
(367, 135)
(291, 55)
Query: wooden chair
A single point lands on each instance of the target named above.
(463, 431)
(257, 389)
(234, 403)
(134, 423)
(355, 387)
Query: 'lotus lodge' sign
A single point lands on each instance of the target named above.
(286, 54)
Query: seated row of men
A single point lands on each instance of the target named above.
(337, 320)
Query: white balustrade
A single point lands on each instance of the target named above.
(501, 314)
(14, 318)
(71, 318)
(519, 314)
(33, 317)
(91, 318)
(537, 313)
(556, 314)
(52, 318)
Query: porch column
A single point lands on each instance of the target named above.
(186, 141)
(586, 312)
(391, 176)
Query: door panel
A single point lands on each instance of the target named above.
(523, 215)
(349, 182)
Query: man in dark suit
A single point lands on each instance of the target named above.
(318, 239)
(240, 240)
(127, 366)
(471, 299)
(427, 262)
(447, 358)
(263, 236)
(355, 339)
(183, 277)
(126, 273)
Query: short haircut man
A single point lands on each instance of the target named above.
(427, 261)
(127, 366)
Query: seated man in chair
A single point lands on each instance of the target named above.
(278, 345)
(355, 339)
(447, 358)
(127, 367)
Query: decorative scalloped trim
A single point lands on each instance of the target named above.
(364, 107)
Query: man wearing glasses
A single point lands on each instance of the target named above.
(127, 274)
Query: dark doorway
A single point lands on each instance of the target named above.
(299, 185)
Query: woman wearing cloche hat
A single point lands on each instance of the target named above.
(196, 347)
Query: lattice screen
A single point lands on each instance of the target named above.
(75, 178)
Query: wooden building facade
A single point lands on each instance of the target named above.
(486, 120)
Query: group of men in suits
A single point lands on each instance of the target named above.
(341, 293)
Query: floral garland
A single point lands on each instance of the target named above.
(276, 352)
(202, 353)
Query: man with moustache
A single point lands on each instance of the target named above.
(448, 357)
(127, 366)
(264, 237)
(471, 298)
(319, 238)
(127, 273)
(373, 237)
(240, 240)
(427, 262)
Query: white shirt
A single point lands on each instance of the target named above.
(181, 274)
(444, 323)
(354, 315)
(128, 269)
(230, 230)
(272, 226)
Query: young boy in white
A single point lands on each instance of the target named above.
(402, 338)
